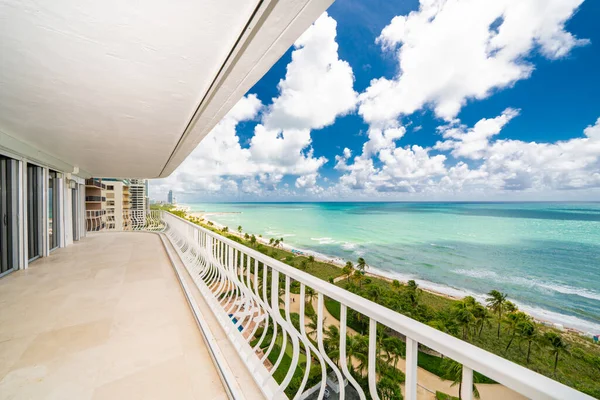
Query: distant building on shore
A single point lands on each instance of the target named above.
(170, 197)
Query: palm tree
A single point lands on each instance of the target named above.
(495, 302)
(276, 243)
(312, 326)
(246, 236)
(396, 284)
(358, 348)
(361, 265)
(271, 241)
(332, 343)
(303, 265)
(528, 332)
(348, 269)
(464, 316)
(225, 229)
(311, 259)
(239, 229)
(510, 307)
(453, 372)
(310, 295)
(253, 240)
(393, 348)
(388, 389)
(374, 293)
(413, 293)
(557, 346)
(483, 317)
(512, 323)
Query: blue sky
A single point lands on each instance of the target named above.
(471, 100)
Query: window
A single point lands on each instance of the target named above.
(53, 210)
(8, 215)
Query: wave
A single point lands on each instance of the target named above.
(442, 246)
(324, 240)
(536, 312)
(349, 246)
(528, 282)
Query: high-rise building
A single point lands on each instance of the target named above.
(95, 204)
(118, 203)
(137, 191)
(170, 197)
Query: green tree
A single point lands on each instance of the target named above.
(225, 229)
(495, 302)
(557, 346)
(512, 324)
(239, 229)
(388, 389)
(413, 293)
(482, 317)
(253, 240)
(394, 349)
(271, 241)
(361, 265)
(303, 265)
(464, 316)
(453, 372)
(310, 295)
(348, 270)
(528, 332)
(246, 236)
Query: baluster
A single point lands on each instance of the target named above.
(322, 347)
(343, 357)
(412, 354)
(467, 383)
(372, 370)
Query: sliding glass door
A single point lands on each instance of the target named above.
(75, 210)
(9, 244)
(35, 211)
(53, 217)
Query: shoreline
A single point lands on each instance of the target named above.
(391, 276)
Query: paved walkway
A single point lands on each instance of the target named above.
(104, 318)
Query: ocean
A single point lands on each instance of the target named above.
(545, 256)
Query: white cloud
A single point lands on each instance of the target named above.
(519, 165)
(318, 86)
(472, 143)
(450, 51)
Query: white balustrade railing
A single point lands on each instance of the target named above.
(246, 290)
(128, 220)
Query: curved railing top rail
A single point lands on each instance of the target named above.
(514, 376)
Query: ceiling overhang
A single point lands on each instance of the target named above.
(119, 90)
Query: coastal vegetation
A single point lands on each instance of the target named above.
(497, 326)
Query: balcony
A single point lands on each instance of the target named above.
(240, 285)
(95, 199)
(103, 319)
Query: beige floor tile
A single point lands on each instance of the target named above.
(103, 318)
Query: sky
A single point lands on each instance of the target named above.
(441, 100)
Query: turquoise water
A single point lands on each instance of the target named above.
(546, 256)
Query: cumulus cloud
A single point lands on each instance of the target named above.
(318, 85)
(317, 88)
(472, 143)
(517, 165)
(450, 51)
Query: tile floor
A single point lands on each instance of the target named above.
(104, 318)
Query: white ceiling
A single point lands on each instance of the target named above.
(109, 87)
